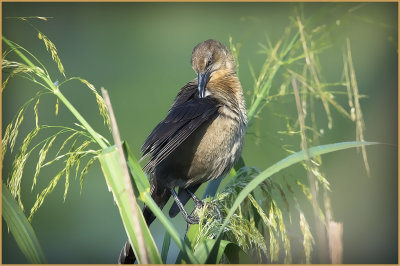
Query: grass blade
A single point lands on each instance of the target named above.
(134, 208)
(204, 251)
(21, 229)
(109, 160)
(282, 164)
(165, 247)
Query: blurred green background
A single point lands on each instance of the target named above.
(141, 52)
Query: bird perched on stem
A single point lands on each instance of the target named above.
(201, 137)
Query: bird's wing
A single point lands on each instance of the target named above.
(185, 94)
(182, 120)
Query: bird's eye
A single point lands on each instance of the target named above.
(209, 62)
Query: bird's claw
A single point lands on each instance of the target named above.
(198, 204)
(192, 219)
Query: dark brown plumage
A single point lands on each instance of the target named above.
(201, 137)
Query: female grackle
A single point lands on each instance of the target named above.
(200, 139)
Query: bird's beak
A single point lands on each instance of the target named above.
(202, 79)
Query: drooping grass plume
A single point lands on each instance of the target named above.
(40, 198)
(308, 239)
(33, 70)
(53, 50)
(42, 156)
(85, 171)
(319, 223)
(100, 102)
(360, 126)
(14, 181)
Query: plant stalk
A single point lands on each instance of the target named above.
(144, 256)
(322, 241)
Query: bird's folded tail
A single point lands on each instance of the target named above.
(160, 195)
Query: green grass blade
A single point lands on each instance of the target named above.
(139, 177)
(232, 252)
(282, 164)
(21, 229)
(236, 255)
(208, 255)
(112, 171)
(165, 247)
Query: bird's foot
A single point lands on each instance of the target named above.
(198, 203)
(192, 219)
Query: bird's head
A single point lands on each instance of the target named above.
(210, 59)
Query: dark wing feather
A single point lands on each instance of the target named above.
(153, 140)
(186, 93)
(181, 121)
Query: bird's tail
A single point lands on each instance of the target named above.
(160, 195)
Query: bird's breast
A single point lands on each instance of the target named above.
(218, 149)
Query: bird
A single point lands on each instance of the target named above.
(201, 137)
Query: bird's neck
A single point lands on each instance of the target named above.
(225, 87)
